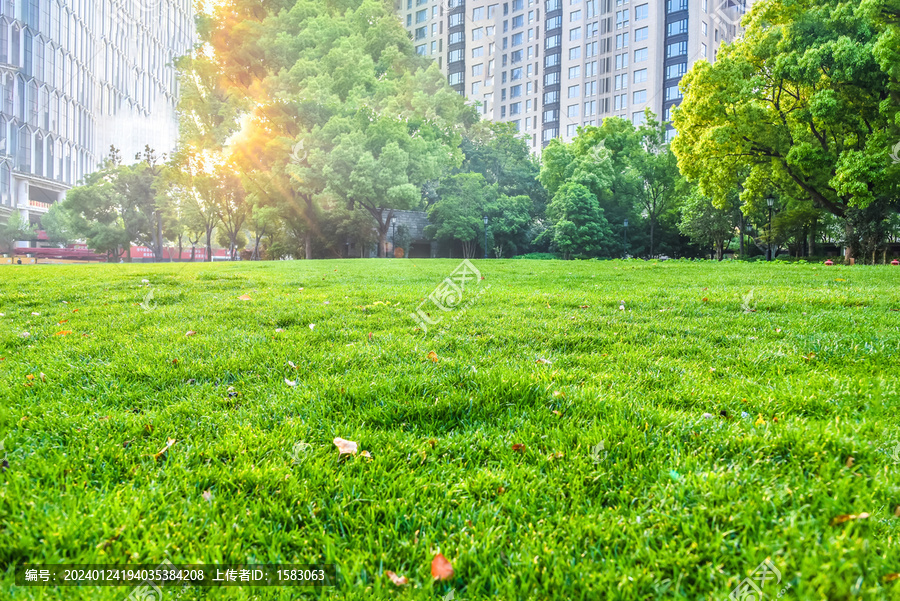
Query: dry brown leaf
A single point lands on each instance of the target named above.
(63, 333)
(169, 444)
(848, 517)
(190, 333)
(366, 454)
(543, 361)
(433, 356)
(398, 580)
(519, 448)
(244, 297)
(892, 577)
(897, 511)
(441, 569)
(850, 461)
(29, 377)
(346, 447)
(553, 456)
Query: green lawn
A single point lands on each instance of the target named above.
(623, 489)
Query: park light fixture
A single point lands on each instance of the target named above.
(625, 240)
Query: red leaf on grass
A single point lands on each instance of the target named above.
(398, 580)
(519, 448)
(441, 569)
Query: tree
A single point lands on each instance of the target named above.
(509, 222)
(57, 224)
(657, 184)
(262, 221)
(579, 229)
(805, 105)
(14, 230)
(707, 224)
(459, 215)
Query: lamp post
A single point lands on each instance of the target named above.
(393, 233)
(771, 202)
(485, 237)
(625, 240)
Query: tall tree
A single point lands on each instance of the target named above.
(805, 104)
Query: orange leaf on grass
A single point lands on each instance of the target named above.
(346, 447)
(519, 448)
(441, 569)
(244, 297)
(892, 577)
(169, 444)
(398, 580)
(190, 333)
(433, 356)
(63, 333)
(848, 518)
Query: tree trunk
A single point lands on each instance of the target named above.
(741, 231)
(307, 245)
(158, 251)
(652, 232)
(209, 244)
(193, 252)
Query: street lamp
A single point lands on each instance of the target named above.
(485, 237)
(771, 202)
(393, 233)
(625, 240)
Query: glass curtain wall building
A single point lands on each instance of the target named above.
(77, 76)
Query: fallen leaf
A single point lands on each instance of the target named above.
(312, 326)
(169, 444)
(398, 580)
(543, 361)
(104, 418)
(847, 518)
(707, 416)
(291, 363)
(63, 333)
(366, 454)
(207, 495)
(518, 448)
(433, 442)
(897, 511)
(441, 569)
(705, 300)
(35, 314)
(850, 461)
(279, 330)
(553, 456)
(500, 490)
(346, 447)
(558, 414)
(29, 377)
(244, 297)
(433, 356)
(290, 383)
(190, 333)
(59, 323)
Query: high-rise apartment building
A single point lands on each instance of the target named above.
(77, 76)
(551, 66)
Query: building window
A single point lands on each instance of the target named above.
(478, 13)
(478, 52)
(574, 53)
(676, 70)
(572, 111)
(676, 49)
(673, 93)
(641, 12)
(641, 34)
(622, 19)
(639, 97)
(677, 27)
(640, 55)
(575, 34)
(640, 76)
(638, 118)
(573, 91)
